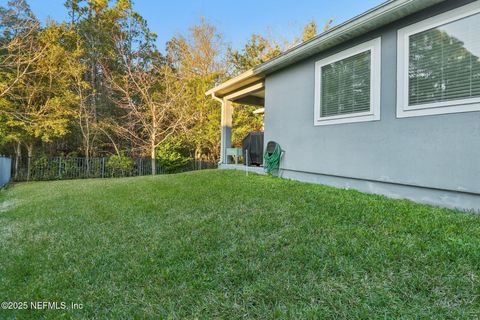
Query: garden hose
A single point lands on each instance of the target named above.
(272, 159)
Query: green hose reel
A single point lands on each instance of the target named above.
(271, 157)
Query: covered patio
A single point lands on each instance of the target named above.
(247, 88)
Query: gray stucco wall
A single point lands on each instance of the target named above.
(5, 168)
(439, 153)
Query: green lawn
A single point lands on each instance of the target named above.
(218, 244)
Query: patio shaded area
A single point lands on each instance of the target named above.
(246, 89)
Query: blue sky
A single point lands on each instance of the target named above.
(236, 20)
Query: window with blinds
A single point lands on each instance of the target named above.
(443, 62)
(345, 86)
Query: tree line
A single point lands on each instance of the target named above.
(97, 84)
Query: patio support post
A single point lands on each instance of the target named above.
(226, 127)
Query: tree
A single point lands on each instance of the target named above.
(98, 25)
(198, 62)
(151, 99)
(18, 27)
(98, 83)
(40, 106)
(309, 31)
(257, 50)
(244, 122)
(146, 89)
(328, 25)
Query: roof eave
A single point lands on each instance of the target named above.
(372, 19)
(247, 78)
(377, 17)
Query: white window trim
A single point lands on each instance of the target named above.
(405, 110)
(374, 46)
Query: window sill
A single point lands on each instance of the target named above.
(343, 120)
(426, 110)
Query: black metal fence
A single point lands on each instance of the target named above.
(58, 168)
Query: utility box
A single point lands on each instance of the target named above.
(253, 144)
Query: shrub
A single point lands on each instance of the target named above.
(173, 156)
(120, 165)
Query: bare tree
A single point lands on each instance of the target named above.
(19, 50)
(151, 98)
(86, 117)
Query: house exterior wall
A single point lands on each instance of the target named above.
(5, 170)
(433, 159)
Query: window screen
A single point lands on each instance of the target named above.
(444, 62)
(345, 86)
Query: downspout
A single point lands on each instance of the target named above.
(217, 98)
(214, 97)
